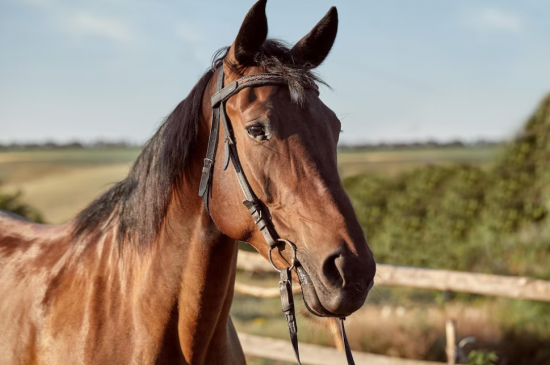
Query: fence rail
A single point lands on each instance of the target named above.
(260, 292)
(444, 280)
(281, 350)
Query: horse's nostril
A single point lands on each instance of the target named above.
(341, 270)
(333, 270)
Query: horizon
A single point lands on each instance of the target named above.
(77, 144)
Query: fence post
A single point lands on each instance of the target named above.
(450, 330)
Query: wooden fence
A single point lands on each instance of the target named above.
(444, 280)
(391, 275)
(281, 350)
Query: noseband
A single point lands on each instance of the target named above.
(257, 209)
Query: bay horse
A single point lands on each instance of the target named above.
(145, 274)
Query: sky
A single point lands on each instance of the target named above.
(400, 70)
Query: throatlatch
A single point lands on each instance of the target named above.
(261, 215)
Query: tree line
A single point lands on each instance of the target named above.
(342, 147)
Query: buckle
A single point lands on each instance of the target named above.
(254, 208)
(207, 165)
(260, 217)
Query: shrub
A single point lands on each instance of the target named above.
(12, 203)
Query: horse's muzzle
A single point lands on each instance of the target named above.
(339, 288)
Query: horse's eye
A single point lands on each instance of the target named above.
(256, 131)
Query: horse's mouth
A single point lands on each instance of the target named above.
(311, 299)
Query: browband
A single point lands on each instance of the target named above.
(247, 81)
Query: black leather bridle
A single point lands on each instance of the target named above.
(259, 213)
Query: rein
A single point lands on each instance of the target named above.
(259, 212)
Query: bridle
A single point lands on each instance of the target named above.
(257, 209)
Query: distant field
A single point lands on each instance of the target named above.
(394, 162)
(62, 182)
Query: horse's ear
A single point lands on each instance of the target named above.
(312, 50)
(251, 36)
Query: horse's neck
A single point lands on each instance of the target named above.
(188, 283)
(205, 291)
(175, 294)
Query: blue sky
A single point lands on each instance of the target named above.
(400, 70)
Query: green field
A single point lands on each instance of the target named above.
(62, 182)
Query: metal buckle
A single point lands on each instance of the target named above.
(259, 211)
(292, 263)
(207, 165)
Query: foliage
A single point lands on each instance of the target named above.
(463, 217)
(478, 357)
(519, 195)
(12, 203)
(420, 217)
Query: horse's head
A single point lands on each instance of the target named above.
(286, 140)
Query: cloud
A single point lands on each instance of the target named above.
(496, 20)
(93, 25)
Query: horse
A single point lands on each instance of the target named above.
(145, 274)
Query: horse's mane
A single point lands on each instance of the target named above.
(138, 204)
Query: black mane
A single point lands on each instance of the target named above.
(139, 202)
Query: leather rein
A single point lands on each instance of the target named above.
(257, 209)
